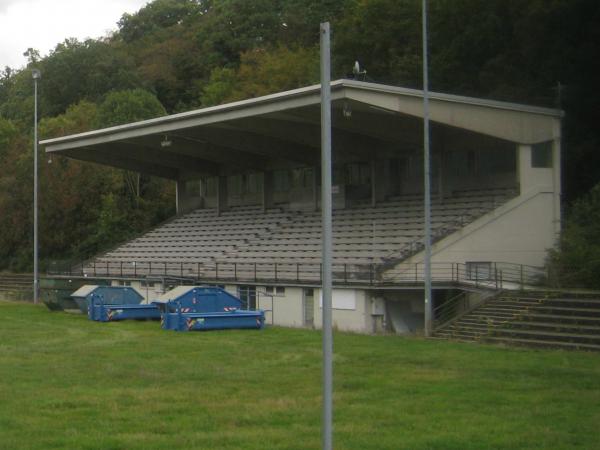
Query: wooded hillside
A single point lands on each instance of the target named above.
(177, 55)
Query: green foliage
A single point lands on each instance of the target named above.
(577, 261)
(121, 107)
(263, 72)
(75, 71)
(158, 15)
(7, 133)
(175, 55)
(384, 36)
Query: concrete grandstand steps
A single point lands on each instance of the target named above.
(15, 282)
(362, 234)
(560, 326)
(546, 319)
(532, 316)
(568, 310)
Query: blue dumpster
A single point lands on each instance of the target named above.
(109, 303)
(188, 308)
(108, 295)
(102, 312)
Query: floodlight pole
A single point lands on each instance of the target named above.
(427, 181)
(36, 74)
(326, 235)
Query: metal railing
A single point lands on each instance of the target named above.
(491, 275)
(450, 309)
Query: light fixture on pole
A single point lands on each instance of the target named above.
(36, 74)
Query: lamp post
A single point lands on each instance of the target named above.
(327, 235)
(36, 74)
(427, 180)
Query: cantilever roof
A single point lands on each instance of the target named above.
(283, 128)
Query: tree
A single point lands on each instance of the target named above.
(577, 261)
(121, 107)
(263, 72)
(88, 70)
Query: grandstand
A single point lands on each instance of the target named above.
(247, 180)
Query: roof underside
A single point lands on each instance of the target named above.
(283, 130)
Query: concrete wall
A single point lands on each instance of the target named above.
(149, 293)
(286, 309)
(357, 319)
(521, 231)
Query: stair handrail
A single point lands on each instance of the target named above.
(449, 310)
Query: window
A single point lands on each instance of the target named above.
(358, 174)
(269, 289)
(247, 295)
(234, 185)
(471, 162)
(192, 188)
(398, 168)
(251, 183)
(210, 187)
(281, 180)
(302, 177)
(280, 290)
(541, 155)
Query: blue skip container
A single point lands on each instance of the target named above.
(102, 312)
(111, 303)
(188, 308)
(237, 319)
(109, 295)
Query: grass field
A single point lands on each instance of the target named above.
(67, 383)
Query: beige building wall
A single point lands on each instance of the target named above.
(520, 232)
(344, 317)
(285, 309)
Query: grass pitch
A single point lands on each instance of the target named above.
(67, 383)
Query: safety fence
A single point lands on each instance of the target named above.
(494, 275)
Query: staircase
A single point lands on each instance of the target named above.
(16, 286)
(556, 320)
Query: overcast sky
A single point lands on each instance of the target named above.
(41, 24)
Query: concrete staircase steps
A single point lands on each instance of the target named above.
(483, 315)
(592, 338)
(15, 282)
(464, 334)
(540, 318)
(532, 317)
(543, 343)
(568, 310)
(591, 302)
(556, 326)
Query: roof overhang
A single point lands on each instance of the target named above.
(284, 129)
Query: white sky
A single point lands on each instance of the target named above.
(41, 24)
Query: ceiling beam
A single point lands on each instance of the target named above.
(258, 137)
(202, 150)
(87, 154)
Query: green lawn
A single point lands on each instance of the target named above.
(67, 383)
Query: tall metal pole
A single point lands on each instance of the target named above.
(326, 235)
(36, 279)
(427, 181)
